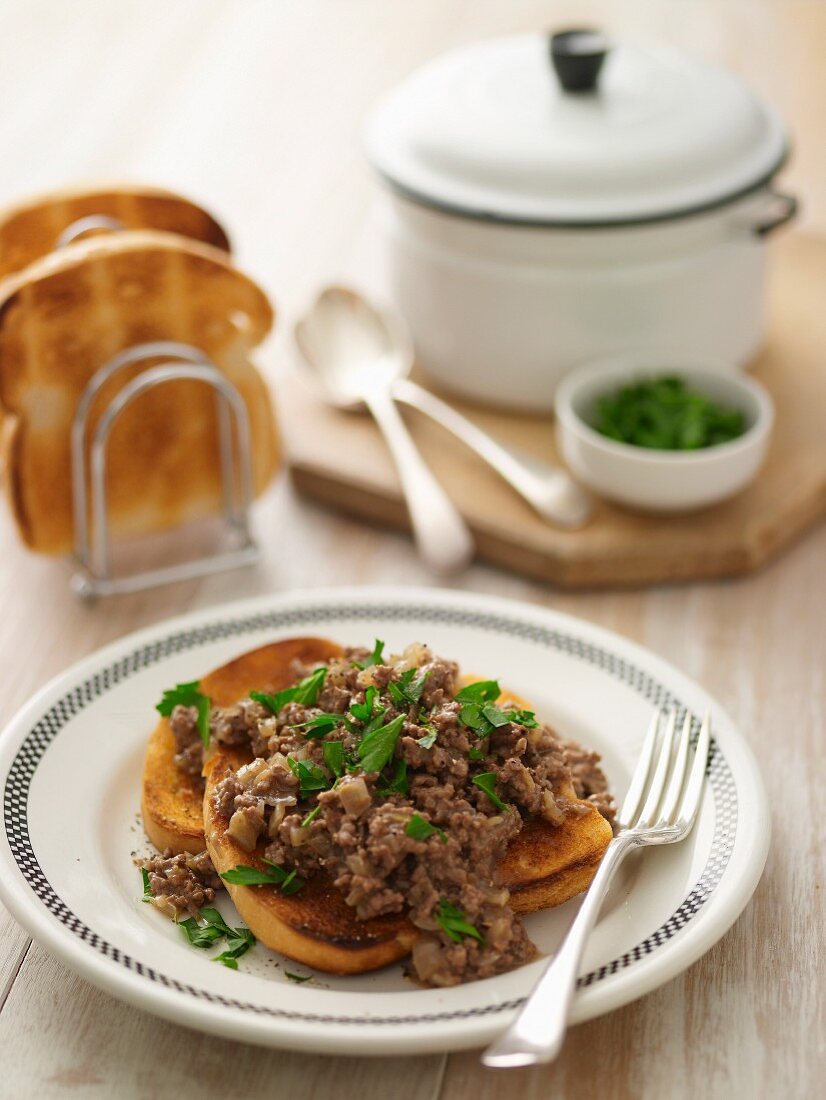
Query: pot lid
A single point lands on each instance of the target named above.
(573, 130)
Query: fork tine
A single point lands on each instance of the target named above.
(639, 779)
(655, 792)
(675, 786)
(690, 804)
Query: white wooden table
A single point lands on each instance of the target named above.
(253, 107)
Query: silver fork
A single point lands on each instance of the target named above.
(660, 808)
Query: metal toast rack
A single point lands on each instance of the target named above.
(94, 576)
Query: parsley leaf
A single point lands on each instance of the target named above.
(147, 889)
(420, 829)
(297, 977)
(305, 692)
(486, 782)
(364, 711)
(376, 748)
(407, 692)
(239, 941)
(311, 816)
(525, 718)
(454, 923)
(214, 918)
(476, 754)
(375, 658)
(323, 724)
(310, 776)
(398, 784)
(272, 875)
(429, 739)
(187, 695)
(200, 935)
(334, 757)
(483, 691)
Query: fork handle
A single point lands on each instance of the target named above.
(537, 1033)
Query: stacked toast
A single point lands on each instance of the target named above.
(161, 271)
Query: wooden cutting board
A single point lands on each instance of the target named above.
(340, 460)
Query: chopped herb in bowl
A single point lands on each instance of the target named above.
(664, 414)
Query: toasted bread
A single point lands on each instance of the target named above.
(31, 229)
(64, 317)
(545, 865)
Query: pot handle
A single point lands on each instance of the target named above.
(786, 206)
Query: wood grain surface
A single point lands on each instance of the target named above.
(353, 472)
(253, 107)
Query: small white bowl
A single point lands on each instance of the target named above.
(652, 480)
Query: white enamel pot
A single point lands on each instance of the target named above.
(530, 226)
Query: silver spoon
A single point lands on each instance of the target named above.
(549, 489)
(356, 357)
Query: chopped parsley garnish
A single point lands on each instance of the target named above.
(375, 658)
(310, 776)
(483, 691)
(377, 746)
(476, 754)
(398, 784)
(305, 692)
(271, 875)
(408, 691)
(454, 923)
(525, 718)
(486, 782)
(334, 757)
(200, 935)
(420, 829)
(429, 739)
(239, 941)
(147, 889)
(364, 711)
(297, 977)
(322, 724)
(663, 414)
(187, 695)
(311, 816)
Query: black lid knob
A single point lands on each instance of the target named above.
(577, 56)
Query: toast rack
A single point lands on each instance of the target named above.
(94, 576)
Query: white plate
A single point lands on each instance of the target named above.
(70, 762)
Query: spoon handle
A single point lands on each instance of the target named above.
(442, 536)
(548, 489)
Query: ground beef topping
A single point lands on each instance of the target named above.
(181, 883)
(405, 789)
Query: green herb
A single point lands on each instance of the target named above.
(334, 756)
(420, 829)
(661, 413)
(407, 692)
(187, 695)
(272, 875)
(311, 816)
(486, 782)
(147, 889)
(398, 784)
(297, 977)
(364, 711)
(200, 935)
(429, 739)
(239, 941)
(305, 692)
(476, 754)
(454, 923)
(525, 718)
(323, 724)
(310, 776)
(215, 920)
(376, 748)
(483, 691)
(375, 658)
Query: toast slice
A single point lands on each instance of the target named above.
(544, 866)
(64, 317)
(30, 229)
